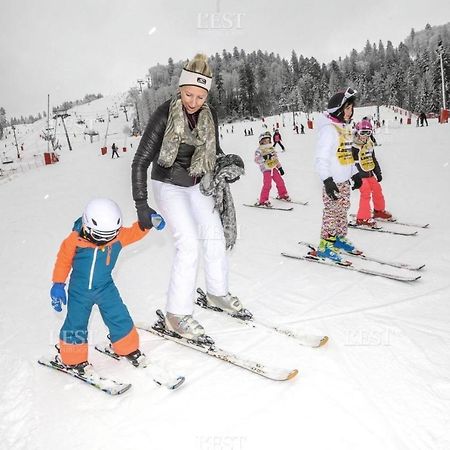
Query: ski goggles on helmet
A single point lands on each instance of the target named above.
(348, 94)
(365, 132)
(102, 236)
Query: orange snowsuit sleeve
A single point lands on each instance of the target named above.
(128, 235)
(63, 264)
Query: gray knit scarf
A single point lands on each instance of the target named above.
(202, 137)
(217, 185)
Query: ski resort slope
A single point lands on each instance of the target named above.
(381, 382)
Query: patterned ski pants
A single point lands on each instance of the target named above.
(334, 219)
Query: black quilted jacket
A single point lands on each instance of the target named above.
(148, 152)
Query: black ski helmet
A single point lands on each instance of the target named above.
(339, 101)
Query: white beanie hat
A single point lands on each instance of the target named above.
(190, 78)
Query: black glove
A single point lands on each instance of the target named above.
(379, 176)
(331, 188)
(357, 181)
(144, 213)
(280, 169)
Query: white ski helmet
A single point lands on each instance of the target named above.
(102, 219)
(265, 135)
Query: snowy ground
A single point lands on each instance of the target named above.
(381, 382)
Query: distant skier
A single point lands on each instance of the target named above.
(370, 171)
(267, 159)
(90, 252)
(423, 119)
(114, 151)
(277, 139)
(335, 166)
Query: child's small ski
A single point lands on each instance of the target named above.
(295, 202)
(160, 375)
(362, 255)
(395, 221)
(91, 377)
(206, 345)
(311, 257)
(269, 207)
(378, 229)
(246, 317)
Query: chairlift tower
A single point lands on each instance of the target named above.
(15, 140)
(63, 115)
(124, 109)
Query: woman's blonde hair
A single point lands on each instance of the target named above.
(199, 64)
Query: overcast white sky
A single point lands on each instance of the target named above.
(68, 48)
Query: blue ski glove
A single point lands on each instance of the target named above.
(58, 295)
(157, 221)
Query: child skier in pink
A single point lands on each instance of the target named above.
(267, 159)
(277, 139)
(370, 171)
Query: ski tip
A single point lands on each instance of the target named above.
(120, 391)
(180, 381)
(323, 341)
(292, 374)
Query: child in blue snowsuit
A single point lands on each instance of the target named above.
(90, 252)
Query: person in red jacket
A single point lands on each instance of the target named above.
(277, 139)
(89, 254)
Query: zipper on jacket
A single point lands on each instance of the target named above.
(108, 255)
(91, 273)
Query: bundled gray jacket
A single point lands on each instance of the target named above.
(148, 152)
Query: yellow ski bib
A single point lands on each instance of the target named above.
(270, 160)
(345, 142)
(365, 157)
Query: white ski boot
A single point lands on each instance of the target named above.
(227, 303)
(184, 325)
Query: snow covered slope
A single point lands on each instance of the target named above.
(381, 382)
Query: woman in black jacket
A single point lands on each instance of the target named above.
(182, 141)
